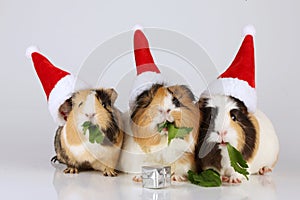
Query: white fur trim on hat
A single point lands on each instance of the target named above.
(62, 91)
(236, 88)
(143, 82)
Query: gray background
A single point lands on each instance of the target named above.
(67, 31)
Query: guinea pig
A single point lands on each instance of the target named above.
(73, 144)
(159, 104)
(225, 119)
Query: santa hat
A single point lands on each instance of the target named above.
(239, 79)
(58, 84)
(147, 72)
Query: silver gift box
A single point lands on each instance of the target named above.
(156, 176)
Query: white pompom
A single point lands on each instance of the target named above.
(137, 27)
(249, 30)
(31, 50)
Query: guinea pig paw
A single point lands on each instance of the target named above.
(234, 178)
(178, 178)
(225, 179)
(109, 172)
(71, 170)
(137, 179)
(264, 170)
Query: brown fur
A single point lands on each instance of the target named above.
(186, 115)
(241, 136)
(71, 131)
(189, 115)
(256, 125)
(108, 118)
(143, 134)
(245, 124)
(240, 133)
(65, 109)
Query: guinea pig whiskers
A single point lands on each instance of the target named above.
(246, 146)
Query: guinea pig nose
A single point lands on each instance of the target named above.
(91, 115)
(222, 133)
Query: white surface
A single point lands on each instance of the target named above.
(67, 31)
(52, 183)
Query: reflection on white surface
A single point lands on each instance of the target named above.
(93, 185)
(48, 182)
(258, 187)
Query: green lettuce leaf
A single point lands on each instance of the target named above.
(85, 126)
(174, 132)
(95, 135)
(237, 161)
(211, 178)
(207, 178)
(161, 126)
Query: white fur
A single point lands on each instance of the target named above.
(76, 150)
(237, 88)
(97, 151)
(133, 157)
(86, 109)
(222, 120)
(222, 123)
(163, 114)
(225, 161)
(268, 144)
(84, 114)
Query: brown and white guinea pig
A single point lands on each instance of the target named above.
(73, 147)
(226, 119)
(154, 106)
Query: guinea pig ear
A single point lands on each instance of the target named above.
(146, 97)
(242, 107)
(180, 91)
(65, 109)
(113, 95)
(202, 102)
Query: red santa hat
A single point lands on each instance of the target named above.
(58, 84)
(147, 72)
(239, 79)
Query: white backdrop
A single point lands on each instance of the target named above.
(67, 31)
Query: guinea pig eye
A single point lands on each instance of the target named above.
(176, 102)
(233, 115)
(104, 105)
(80, 104)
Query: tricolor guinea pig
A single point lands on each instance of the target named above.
(92, 136)
(157, 105)
(225, 119)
